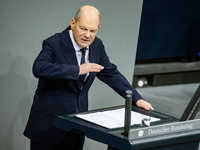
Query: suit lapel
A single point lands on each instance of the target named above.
(68, 49)
(93, 55)
(93, 58)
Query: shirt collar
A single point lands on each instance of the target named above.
(76, 46)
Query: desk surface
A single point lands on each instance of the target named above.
(112, 137)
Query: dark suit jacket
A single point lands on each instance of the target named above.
(58, 91)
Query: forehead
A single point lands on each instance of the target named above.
(89, 22)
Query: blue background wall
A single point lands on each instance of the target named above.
(169, 28)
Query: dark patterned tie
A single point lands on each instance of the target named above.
(82, 77)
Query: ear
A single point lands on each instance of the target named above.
(99, 26)
(72, 23)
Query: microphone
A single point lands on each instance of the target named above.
(128, 107)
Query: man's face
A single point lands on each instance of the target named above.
(85, 30)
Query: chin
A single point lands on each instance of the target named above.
(84, 44)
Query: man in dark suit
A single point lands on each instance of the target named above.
(59, 67)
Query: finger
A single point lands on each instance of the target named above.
(95, 70)
(143, 104)
(152, 108)
(149, 107)
(97, 67)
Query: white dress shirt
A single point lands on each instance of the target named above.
(78, 51)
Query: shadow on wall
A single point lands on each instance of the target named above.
(15, 100)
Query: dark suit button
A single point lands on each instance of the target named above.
(68, 77)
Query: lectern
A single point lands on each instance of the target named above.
(167, 133)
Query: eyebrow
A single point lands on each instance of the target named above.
(88, 29)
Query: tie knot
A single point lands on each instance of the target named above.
(83, 50)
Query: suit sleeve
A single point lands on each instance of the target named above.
(112, 77)
(47, 65)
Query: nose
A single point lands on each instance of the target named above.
(87, 34)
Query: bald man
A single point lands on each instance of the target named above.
(66, 68)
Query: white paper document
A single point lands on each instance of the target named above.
(112, 118)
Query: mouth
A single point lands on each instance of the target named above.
(85, 40)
